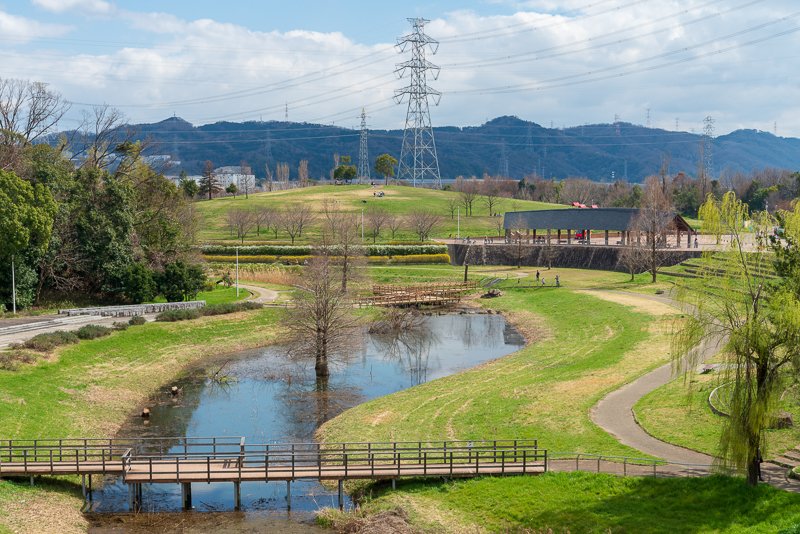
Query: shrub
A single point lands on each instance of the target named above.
(288, 260)
(50, 340)
(121, 326)
(282, 252)
(230, 307)
(92, 331)
(413, 258)
(11, 360)
(137, 320)
(171, 316)
(138, 284)
(181, 281)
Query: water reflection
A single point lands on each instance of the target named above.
(268, 396)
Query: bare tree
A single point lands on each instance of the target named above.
(28, 110)
(394, 223)
(655, 218)
(341, 239)
(104, 139)
(490, 190)
(468, 190)
(302, 173)
(263, 218)
(270, 177)
(376, 219)
(241, 221)
(453, 203)
(322, 322)
(247, 180)
(294, 219)
(423, 223)
(282, 172)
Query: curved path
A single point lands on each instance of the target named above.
(614, 414)
(258, 294)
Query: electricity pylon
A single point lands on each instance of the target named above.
(418, 161)
(363, 150)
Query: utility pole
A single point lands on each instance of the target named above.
(13, 288)
(458, 223)
(237, 272)
(362, 225)
(418, 161)
(363, 150)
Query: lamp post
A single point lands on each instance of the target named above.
(458, 223)
(237, 272)
(13, 288)
(362, 225)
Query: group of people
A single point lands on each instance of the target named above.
(541, 281)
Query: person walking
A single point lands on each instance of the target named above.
(543, 283)
(558, 281)
(537, 276)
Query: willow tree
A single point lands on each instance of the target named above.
(755, 318)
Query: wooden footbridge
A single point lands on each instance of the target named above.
(204, 460)
(432, 294)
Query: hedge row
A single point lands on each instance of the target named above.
(300, 260)
(306, 250)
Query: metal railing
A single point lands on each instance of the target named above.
(624, 465)
(134, 309)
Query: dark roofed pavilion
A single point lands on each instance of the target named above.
(585, 220)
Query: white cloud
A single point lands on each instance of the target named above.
(97, 7)
(22, 29)
(574, 69)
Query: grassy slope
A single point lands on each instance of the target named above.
(219, 295)
(679, 414)
(543, 391)
(583, 502)
(89, 388)
(399, 200)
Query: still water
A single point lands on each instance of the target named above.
(266, 395)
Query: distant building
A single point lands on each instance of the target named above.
(233, 175)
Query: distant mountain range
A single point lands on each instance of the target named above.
(503, 146)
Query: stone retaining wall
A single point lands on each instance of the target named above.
(604, 258)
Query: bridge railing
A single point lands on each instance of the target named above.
(345, 460)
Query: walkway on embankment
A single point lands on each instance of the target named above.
(614, 414)
(21, 329)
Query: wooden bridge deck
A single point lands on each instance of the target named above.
(433, 294)
(191, 460)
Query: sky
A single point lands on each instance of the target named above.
(561, 63)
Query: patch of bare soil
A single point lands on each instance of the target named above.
(531, 326)
(638, 302)
(389, 522)
(43, 513)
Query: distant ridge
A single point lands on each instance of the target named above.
(593, 150)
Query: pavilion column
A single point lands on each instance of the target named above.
(559, 236)
(689, 239)
(606, 235)
(569, 236)
(638, 238)
(527, 235)
(588, 237)
(534, 235)
(508, 232)
(678, 238)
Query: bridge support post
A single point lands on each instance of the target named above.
(31, 480)
(186, 495)
(237, 496)
(394, 483)
(83, 486)
(341, 495)
(135, 497)
(289, 494)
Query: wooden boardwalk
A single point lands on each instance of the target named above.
(432, 294)
(192, 460)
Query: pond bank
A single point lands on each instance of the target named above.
(90, 389)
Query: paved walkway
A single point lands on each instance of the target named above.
(614, 414)
(21, 329)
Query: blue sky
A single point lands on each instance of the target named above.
(564, 62)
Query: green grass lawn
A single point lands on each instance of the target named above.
(582, 348)
(399, 200)
(218, 295)
(591, 503)
(680, 414)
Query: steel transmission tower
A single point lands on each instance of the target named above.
(418, 160)
(708, 150)
(363, 151)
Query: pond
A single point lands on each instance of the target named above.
(265, 395)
